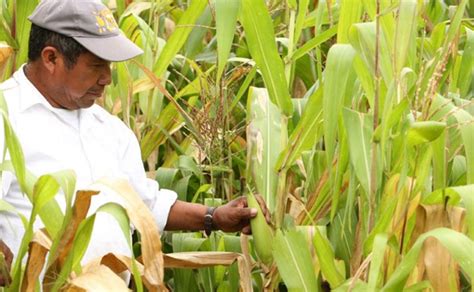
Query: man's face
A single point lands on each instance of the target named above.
(79, 86)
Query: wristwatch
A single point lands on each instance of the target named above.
(208, 221)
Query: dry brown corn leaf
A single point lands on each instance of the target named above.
(143, 220)
(118, 264)
(39, 247)
(80, 209)
(196, 260)
(435, 263)
(98, 278)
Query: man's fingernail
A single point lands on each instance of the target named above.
(253, 212)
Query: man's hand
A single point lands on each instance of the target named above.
(5, 279)
(236, 215)
(231, 217)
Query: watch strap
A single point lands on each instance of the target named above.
(208, 220)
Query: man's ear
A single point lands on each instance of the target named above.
(50, 58)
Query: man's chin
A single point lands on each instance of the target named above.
(87, 103)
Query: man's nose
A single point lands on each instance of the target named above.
(105, 77)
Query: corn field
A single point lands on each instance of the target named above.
(353, 119)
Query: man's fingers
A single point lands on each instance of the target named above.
(239, 202)
(247, 213)
(247, 230)
(7, 253)
(8, 257)
(264, 208)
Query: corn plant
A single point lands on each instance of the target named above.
(375, 138)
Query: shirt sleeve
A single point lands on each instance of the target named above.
(158, 200)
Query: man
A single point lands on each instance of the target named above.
(51, 108)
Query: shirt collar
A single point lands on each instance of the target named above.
(30, 94)
(31, 97)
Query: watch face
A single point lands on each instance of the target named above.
(207, 218)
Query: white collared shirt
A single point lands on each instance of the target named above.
(91, 142)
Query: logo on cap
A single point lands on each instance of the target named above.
(105, 21)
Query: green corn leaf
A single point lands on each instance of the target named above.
(67, 182)
(5, 33)
(326, 259)
(370, 8)
(314, 42)
(45, 189)
(226, 20)
(306, 133)
(188, 164)
(58, 223)
(294, 262)
(300, 18)
(466, 72)
(120, 215)
(378, 252)
(439, 162)
(459, 246)
(16, 154)
(169, 119)
(243, 88)
(387, 209)
(194, 43)
(166, 177)
(51, 213)
(179, 36)
(455, 23)
(73, 259)
(423, 132)
(232, 244)
(405, 36)
(423, 168)
(121, 5)
(350, 13)
(366, 78)
(362, 38)
(465, 128)
(359, 130)
(338, 69)
(467, 134)
(124, 86)
(23, 9)
(260, 38)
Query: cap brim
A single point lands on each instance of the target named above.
(114, 49)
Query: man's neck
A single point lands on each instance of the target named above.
(33, 73)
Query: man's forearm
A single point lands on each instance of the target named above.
(186, 216)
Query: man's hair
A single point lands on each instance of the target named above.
(67, 46)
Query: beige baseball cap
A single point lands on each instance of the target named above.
(90, 23)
